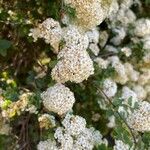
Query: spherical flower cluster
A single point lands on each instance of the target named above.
(50, 30)
(121, 76)
(140, 119)
(114, 7)
(142, 27)
(121, 14)
(120, 34)
(111, 123)
(144, 77)
(127, 51)
(146, 42)
(75, 65)
(46, 121)
(128, 93)
(89, 13)
(140, 92)
(74, 125)
(119, 145)
(132, 74)
(47, 145)
(84, 138)
(73, 36)
(103, 38)
(75, 135)
(101, 62)
(126, 16)
(109, 87)
(93, 36)
(58, 99)
(94, 48)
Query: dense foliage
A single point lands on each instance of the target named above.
(107, 97)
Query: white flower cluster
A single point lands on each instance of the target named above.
(119, 145)
(128, 93)
(103, 64)
(111, 123)
(139, 120)
(89, 13)
(73, 136)
(50, 30)
(74, 63)
(46, 121)
(140, 92)
(58, 99)
(47, 145)
(74, 37)
(142, 27)
(109, 87)
(127, 51)
(94, 36)
(121, 76)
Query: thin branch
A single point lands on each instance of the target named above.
(110, 101)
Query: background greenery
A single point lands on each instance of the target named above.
(22, 60)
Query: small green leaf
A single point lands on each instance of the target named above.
(4, 45)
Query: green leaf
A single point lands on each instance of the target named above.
(4, 45)
(146, 138)
(102, 147)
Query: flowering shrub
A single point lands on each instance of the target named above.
(75, 75)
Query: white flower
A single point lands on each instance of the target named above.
(65, 140)
(74, 125)
(75, 65)
(140, 92)
(146, 41)
(125, 4)
(101, 62)
(73, 36)
(111, 123)
(128, 93)
(121, 76)
(127, 51)
(144, 77)
(74, 135)
(32, 109)
(132, 74)
(114, 7)
(126, 17)
(111, 48)
(89, 13)
(103, 38)
(119, 145)
(47, 121)
(93, 35)
(142, 27)
(120, 35)
(140, 119)
(50, 31)
(109, 87)
(146, 58)
(47, 145)
(58, 99)
(94, 48)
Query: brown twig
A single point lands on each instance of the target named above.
(24, 136)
